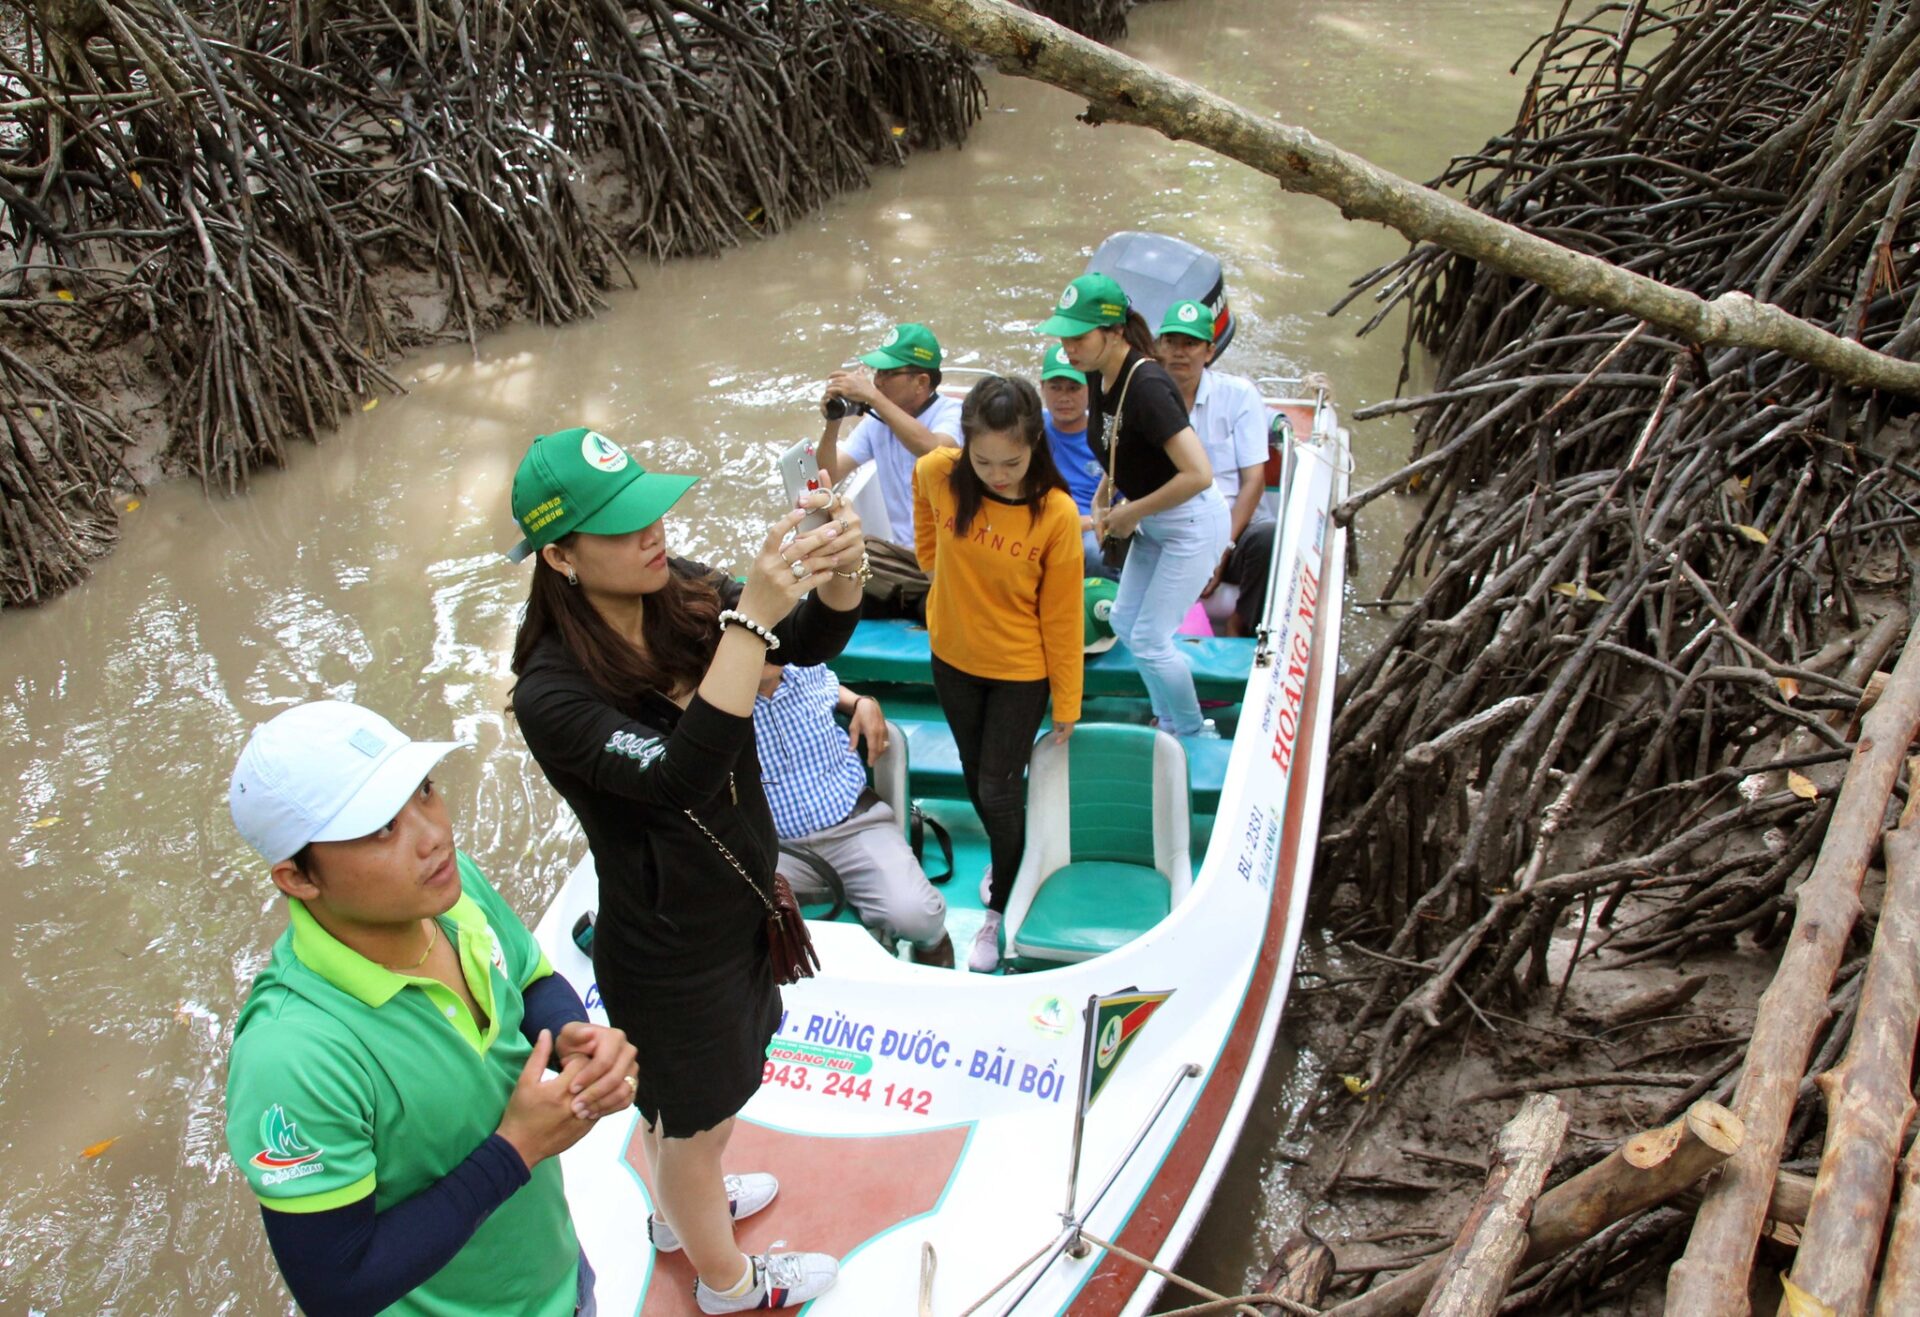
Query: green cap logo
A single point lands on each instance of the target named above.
(1089, 302)
(906, 345)
(602, 453)
(1069, 297)
(1191, 319)
(1189, 312)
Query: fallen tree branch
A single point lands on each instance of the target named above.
(1124, 90)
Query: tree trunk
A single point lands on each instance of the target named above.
(1647, 1169)
(1474, 1275)
(1126, 91)
(1869, 1103)
(1711, 1278)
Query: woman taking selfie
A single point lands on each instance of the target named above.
(1158, 496)
(1000, 536)
(636, 678)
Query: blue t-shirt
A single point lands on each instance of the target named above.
(1076, 461)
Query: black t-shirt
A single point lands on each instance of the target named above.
(670, 903)
(1153, 413)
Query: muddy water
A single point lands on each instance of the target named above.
(133, 917)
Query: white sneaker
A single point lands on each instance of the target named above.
(746, 1194)
(985, 958)
(986, 886)
(780, 1280)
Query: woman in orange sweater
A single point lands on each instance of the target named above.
(999, 534)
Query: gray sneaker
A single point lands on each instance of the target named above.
(986, 945)
(780, 1280)
(746, 1194)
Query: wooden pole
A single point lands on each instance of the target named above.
(1647, 1169)
(1869, 1102)
(1900, 1274)
(1710, 1279)
(1475, 1273)
(1126, 91)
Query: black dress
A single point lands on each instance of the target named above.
(679, 943)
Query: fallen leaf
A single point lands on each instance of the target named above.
(1584, 593)
(95, 1149)
(1789, 686)
(369, 404)
(1356, 1085)
(46, 822)
(899, 132)
(133, 177)
(1799, 1303)
(754, 215)
(64, 294)
(1801, 785)
(133, 505)
(1753, 533)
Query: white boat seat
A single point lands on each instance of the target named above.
(1107, 842)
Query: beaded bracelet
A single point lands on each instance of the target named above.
(734, 615)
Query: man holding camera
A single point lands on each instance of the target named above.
(903, 419)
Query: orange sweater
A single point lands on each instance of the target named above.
(1007, 601)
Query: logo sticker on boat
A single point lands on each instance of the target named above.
(1049, 1017)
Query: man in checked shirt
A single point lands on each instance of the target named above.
(817, 788)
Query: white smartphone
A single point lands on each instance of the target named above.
(800, 473)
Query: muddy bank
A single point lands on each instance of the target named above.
(1635, 628)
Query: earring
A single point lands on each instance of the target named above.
(571, 578)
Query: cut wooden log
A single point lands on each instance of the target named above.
(1710, 1280)
(1792, 1194)
(1301, 1272)
(1900, 1272)
(1648, 1168)
(1869, 1101)
(1474, 1275)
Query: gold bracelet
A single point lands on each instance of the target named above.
(863, 573)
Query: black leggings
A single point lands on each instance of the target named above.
(993, 724)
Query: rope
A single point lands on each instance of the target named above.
(1217, 1303)
(1007, 1279)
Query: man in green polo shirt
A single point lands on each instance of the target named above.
(388, 1097)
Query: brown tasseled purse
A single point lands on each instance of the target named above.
(789, 945)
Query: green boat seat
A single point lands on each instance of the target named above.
(936, 765)
(895, 652)
(1108, 845)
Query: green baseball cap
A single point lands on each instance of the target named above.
(1189, 318)
(906, 345)
(1088, 302)
(580, 480)
(1096, 629)
(1055, 366)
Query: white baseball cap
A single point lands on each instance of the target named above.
(325, 771)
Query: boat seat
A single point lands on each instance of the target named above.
(1108, 821)
(895, 651)
(936, 765)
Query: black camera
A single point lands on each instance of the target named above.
(838, 408)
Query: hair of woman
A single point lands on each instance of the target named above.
(680, 626)
(1006, 405)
